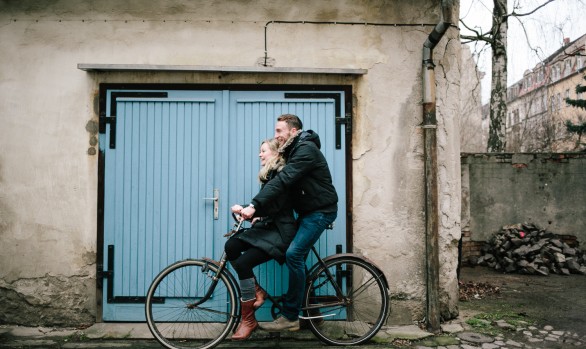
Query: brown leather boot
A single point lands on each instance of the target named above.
(261, 295)
(248, 322)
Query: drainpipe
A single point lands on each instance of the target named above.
(429, 126)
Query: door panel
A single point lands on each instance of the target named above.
(173, 151)
(252, 119)
(155, 179)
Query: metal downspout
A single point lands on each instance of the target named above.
(429, 126)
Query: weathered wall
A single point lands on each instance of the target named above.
(545, 189)
(48, 162)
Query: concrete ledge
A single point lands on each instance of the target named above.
(92, 67)
(104, 330)
(37, 332)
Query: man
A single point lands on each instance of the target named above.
(308, 176)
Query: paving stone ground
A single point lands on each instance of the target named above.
(554, 310)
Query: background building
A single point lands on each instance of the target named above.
(536, 106)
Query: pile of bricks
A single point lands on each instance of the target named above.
(525, 248)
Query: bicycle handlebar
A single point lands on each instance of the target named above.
(238, 221)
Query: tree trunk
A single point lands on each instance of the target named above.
(498, 96)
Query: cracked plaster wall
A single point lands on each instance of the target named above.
(48, 202)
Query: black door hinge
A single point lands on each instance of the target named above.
(112, 118)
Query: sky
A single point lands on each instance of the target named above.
(541, 34)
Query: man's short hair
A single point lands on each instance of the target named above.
(291, 120)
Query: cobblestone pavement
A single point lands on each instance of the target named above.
(548, 313)
(524, 336)
(529, 337)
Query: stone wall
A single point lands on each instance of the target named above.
(501, 189)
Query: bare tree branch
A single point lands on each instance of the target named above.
(496, 40)
(513, 14)
(534, 49)
(486, 38)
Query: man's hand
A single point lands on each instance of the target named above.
(247, 212)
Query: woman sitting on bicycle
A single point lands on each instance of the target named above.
(267, 239)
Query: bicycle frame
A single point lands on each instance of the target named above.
(335, 287)
(330, 277)
(221, 266)
(215, 278)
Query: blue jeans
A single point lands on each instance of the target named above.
(311, 226)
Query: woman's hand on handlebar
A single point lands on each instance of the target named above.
(244, 213)
(236, 209)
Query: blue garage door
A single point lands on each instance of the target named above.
(175, 161)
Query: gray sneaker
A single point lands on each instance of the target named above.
(281, 324)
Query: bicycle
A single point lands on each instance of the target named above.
(194, 303)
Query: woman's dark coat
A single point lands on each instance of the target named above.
(274, 233)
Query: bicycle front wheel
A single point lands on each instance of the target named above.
(187, 308)
(347, 302)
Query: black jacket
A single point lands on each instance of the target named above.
(306, 176)
(274, 233)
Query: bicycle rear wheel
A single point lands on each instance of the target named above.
(352, 312)
(174, 315)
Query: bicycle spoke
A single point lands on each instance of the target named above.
(363, 287)
(363, 303)
(213, 311)
(177, 322)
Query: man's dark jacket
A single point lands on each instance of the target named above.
(307, 176)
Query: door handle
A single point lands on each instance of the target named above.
(216, 200)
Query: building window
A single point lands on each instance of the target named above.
(579, 63)
(568, 67)
(552, 74)
(555, 72)
(559, 101)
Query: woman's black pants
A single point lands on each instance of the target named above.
(244, 257)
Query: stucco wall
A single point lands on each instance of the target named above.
(544, 189)
(48, 166)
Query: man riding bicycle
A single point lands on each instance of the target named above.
(307, 177)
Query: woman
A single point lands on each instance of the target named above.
(267, 239)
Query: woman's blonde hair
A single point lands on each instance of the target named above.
(276, 163)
